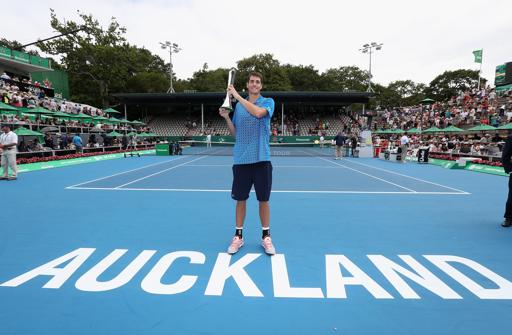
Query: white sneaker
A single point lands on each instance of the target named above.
(266, 243)
(235, 245)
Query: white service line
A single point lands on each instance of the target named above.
(367, 174)
(404, 175)
(156, 173)
(120, 173)
(273, 191)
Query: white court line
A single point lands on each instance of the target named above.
(120, 173)
(404, 175)
(157, 173)
(367, 174)
(273, 191)
(276, 166)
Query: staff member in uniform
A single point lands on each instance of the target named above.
(8, 142)
(251, 157)
(404, 144)
(507, 165)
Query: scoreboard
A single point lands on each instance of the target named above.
(503, 74)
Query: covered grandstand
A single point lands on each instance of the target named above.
(192, 114)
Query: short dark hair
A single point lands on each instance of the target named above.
(255, 74)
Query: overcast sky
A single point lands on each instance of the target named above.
(421, 38)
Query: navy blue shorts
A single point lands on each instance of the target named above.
(257, 174)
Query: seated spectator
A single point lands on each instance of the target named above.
(22, 147)
(35, 145)
(48, 141)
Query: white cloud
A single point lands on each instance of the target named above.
(421, 39)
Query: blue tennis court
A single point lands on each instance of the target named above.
(138, 246)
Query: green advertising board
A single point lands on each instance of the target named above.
(162, 149)
(21, 56)
(74, 161)
(24, 57)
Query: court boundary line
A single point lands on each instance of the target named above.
(273, 191)
(120, 173)
(159, 172)
(404, 175)
(337, 165)
(369, 175)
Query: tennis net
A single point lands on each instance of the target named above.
(276, 149)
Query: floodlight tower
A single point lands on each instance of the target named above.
(368, 48)
(173, 47)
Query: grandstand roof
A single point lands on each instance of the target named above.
(25, 67)
(312, 98)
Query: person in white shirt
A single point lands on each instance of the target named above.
(8, 143)
(404, 144)
(208, 140)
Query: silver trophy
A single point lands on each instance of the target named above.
(231, 81)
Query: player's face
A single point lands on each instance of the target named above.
(254, 85)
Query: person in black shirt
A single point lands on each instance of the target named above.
(353, 141)
(178, 150)
(48, 141)
(124, 142)
(339, 141)
(507, 165)
(496, 138)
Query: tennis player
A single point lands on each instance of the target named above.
(251, 157)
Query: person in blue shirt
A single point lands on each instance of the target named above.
(251, 157)
(77, 141)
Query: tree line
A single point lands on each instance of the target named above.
(100, 61)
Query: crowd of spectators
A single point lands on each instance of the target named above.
(61, 138)
(489, 145)
(466, 109)
(290, 126)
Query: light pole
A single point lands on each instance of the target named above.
(367, 48)
(173, 47)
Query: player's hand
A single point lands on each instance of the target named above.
(232, 92)
(224, 113)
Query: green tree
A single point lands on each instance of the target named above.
(403, 93)
(446, 85)
(274, 75)
(147, 82)
(344, 78)
(209, 80)
(384, 97)
(14, 45)
(303, 78)
(98, 60)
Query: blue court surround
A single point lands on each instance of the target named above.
(352, 207)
